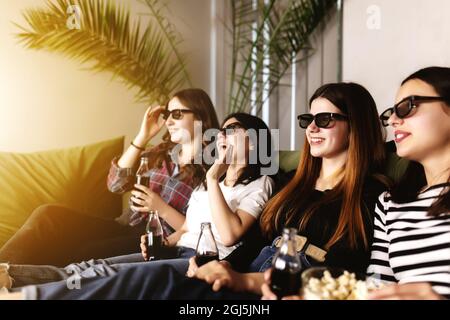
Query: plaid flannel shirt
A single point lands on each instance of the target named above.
(173, 191)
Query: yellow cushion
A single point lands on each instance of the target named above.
(75, 177)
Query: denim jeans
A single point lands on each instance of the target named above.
(161, 280)
(264, 260)
(31, 274)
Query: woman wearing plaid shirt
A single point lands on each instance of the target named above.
(56, 235)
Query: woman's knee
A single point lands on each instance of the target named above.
(51, 213)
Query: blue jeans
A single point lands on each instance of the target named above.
(162, 279)
(264, 260)
(159, 280)
(35, 274)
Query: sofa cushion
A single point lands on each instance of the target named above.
(289, 160)
(74, 177)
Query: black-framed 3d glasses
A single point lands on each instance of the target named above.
(231, 128)
(322, 119)
(403, 108)
(177, 114)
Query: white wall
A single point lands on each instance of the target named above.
(383, 42)
(319, 68)
(412, 34)
(48, 101)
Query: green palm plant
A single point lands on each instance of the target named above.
(105, 38)
(266, 41)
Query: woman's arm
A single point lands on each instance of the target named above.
(172, 239)
(121, 175)
(150, 126)
(230, 225)
(150, 200)
(220, 274)
(407, 291)
(172, 216)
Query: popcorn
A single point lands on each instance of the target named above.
(345, 287)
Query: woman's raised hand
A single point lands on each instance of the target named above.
(220, 166)
(151, 125)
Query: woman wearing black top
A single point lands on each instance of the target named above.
(329, 200)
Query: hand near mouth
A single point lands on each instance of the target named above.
(220, 166)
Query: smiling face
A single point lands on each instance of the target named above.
(181, 130)
(328, 142)
(238, 140)
(425, 132)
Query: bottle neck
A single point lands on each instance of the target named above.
(288, 246)
(205, 227)
(144, 162)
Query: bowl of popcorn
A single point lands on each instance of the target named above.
(320, 283)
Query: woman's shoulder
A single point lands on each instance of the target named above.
(263, 182)
(261, 185)
(429, 194)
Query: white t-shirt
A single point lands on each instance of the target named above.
(250, 198)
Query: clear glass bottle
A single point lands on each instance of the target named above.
(286, 266)
(141, 177)
(206, 250)
(154, 232)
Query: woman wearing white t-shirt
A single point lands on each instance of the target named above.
(232, 199)
(236, 191)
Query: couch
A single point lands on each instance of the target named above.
(76, 177)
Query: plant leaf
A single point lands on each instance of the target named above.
(143, 57)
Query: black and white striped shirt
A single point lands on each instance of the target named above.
(409, 245)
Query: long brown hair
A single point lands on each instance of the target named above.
(414, 179)
(365, 156)
(198, 101)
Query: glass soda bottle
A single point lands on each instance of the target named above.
(286, 266)
(206, 250)
(154, 232)
(141, 178)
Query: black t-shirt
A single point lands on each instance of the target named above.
(323, 223)
(319, 230)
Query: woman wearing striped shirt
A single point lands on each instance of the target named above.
(411, 245)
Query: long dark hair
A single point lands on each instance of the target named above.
(253, 171)
(366, 156)
(198, 101)
(414, 178)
